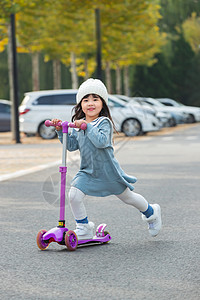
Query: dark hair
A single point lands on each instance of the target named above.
(79, 114)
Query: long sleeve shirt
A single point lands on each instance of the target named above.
(100, 173)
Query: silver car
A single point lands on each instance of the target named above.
(178, 115)
(192, 111)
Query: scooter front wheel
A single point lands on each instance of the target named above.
(71, 240)
(41, 244)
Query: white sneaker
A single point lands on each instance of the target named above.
(154, 221)
(84, 231)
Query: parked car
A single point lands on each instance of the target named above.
(41, 105)
(194, 112)
(131, 120)
(164, 118)
(5, 115)
(178, 116)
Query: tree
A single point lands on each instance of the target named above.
(176, 72)
(191, 31)
(133, 37)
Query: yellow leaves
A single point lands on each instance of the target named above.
(22, 50)
(191, 30)
(3, 43)
(81, 66)
(129, 29)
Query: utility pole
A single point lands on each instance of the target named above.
(14, 81)
(98, 43)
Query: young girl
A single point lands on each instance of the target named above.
(100, 174)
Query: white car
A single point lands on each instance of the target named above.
(194, 112)
(178, 115)
(131, 120)
(41, 105)
(165, 118)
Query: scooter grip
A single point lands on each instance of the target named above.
(83, 126)
(48, 123)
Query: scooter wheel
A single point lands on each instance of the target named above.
(71, 240)
(41, 244)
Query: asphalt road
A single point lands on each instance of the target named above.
(133, 265)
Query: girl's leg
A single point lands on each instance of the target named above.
(150, 213)
(76, 203)
(134, 199)
(84, 229)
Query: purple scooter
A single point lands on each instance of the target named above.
(61, 234)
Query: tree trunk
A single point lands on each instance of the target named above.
(126, 81)
(118, 80)
(56, 74)
(73, 71)
(108, 78)
(13, 79)
(10, 63)
(35, 72)
(86, 68)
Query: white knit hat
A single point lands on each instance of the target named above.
(92, 86)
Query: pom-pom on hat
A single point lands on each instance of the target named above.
(92, 86)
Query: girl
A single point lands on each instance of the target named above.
(100, 174)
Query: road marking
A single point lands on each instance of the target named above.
(71, 157)
(191, 138)
(167, 138)
(29, 171)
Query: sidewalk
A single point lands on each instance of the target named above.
(31, 155)
(34, 154)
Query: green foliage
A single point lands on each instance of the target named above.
(153, 81)
(176, 73)
(175, 12)
(4, 81)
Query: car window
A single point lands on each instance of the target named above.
(4, 108)
(149, 103)
(167, 104)
(115, 104)
(64, 99)
(25, 100)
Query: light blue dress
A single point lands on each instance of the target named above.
(100, 173)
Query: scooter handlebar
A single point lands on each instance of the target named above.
(49, 123)
(83, 126)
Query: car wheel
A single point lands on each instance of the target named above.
(191, 119)
(131, 127)
(46, 133)
(172, 122)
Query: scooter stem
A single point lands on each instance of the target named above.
(63, 171)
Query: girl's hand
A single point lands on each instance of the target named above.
(79, 122)
(55, 121)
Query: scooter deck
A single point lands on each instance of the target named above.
(95, 240)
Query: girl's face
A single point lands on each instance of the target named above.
(91, 105)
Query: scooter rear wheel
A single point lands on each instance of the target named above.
(41, 244)
(71, 240)
(106, 233)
